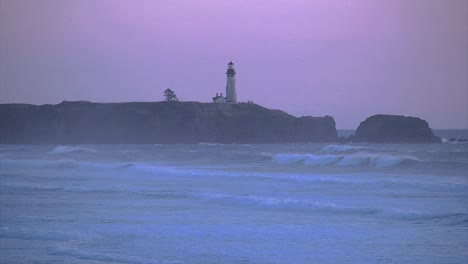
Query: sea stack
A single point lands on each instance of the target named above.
(394, 129)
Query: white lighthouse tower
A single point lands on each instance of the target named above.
(231, 95)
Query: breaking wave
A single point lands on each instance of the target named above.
(339, 148)
(70, 149)
(378, 160)
(271, 203)
(307, 206)
(211, 144)
(148, 172)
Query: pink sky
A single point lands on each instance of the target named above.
(347, 59)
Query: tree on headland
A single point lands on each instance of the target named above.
(170, 95)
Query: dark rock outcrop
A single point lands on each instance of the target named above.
(394, 129)
(157, 122)
(460, 140)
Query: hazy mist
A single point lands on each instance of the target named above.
(347, 59)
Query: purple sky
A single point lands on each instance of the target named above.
(348, 59)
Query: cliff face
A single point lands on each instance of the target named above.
(394, 129)
(157, 122)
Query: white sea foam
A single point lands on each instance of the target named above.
(24, 164)
(409, 214)
(211, 144)
(38, 234)
(73, 251)
(270, 203)
(142, 204)
(295, 204)
(70, 149)
(307, 206)
(339, 148)
(376, 160)
(149, 171)
(290, 158)
(312, 160)
(360, 158)
(70, 164)
(112, 186)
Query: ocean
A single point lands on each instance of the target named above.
(215, 203)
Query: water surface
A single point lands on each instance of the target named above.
(213, 203)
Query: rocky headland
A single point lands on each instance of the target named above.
(82, 122)
(157, 122)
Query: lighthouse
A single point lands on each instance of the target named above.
(231, 95)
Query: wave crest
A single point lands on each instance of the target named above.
(357, 159)
(307, 206)
(70, 149)
(339, 148)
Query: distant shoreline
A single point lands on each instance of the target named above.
(82, 122)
